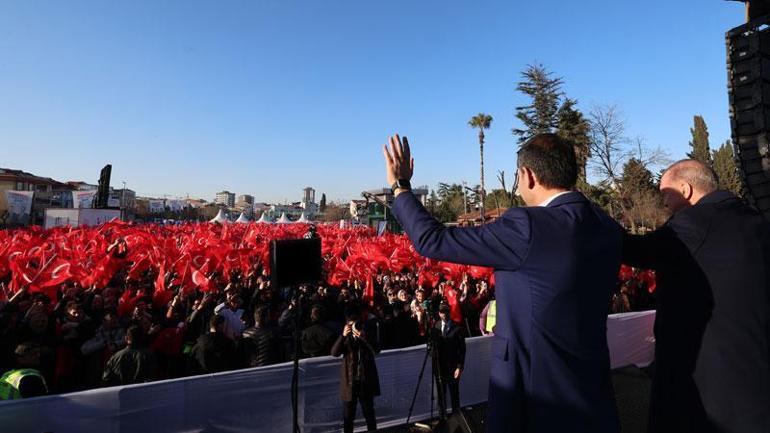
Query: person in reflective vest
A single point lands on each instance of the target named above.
(22, 383)
(488, 318)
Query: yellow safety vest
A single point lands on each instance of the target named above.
(9, 382)
(491, 316)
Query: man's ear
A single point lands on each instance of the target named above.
(687, 190)
(530, 178)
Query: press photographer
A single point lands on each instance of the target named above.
(359, 380)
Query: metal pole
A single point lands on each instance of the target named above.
(123, 203)
(465, 197)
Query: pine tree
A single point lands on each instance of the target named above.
(322, 205)
(545, 94)
(573, 127)
(726, 169)
(636, 177)
(700, 141)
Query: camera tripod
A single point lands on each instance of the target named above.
(457, 421)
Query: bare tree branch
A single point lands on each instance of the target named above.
(607, 133)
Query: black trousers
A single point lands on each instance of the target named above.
(367, 407)
(453, 384)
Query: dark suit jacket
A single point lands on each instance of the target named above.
(450, 347)
(317, 340)
(212, 353)
(712, 327)
(555, 268)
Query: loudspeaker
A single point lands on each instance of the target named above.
(748, 67)
(295, 261)
(103, 192)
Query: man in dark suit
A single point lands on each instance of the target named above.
(449, 357)
(712, 329)
(556, 263)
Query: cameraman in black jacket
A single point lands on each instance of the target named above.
(359, 380)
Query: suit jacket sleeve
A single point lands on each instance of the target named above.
(338, 348)
(503, 244)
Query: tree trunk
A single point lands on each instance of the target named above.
(481, 198)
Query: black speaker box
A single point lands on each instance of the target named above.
(748, 70)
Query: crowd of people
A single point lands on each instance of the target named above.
(123, 333)
(128, 331)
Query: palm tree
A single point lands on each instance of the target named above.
(482, 122)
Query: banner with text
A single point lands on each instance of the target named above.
(176, 205)
(83, 199)
(19, 206)
(157, 206)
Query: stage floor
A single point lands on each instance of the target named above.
(632, 390)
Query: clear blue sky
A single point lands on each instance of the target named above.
(267, 97)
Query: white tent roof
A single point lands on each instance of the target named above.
(220, 218)
(302, 219)
(264, 219)
(283, 219)
(242, 219)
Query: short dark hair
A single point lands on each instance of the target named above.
(261, 315)
(135, 336)
(551, 158)
(316, 313)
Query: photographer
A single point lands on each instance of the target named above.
(359, 380)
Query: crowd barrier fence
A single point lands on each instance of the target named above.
(258, 399)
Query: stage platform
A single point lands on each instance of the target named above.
(632, 390)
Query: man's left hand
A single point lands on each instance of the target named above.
(399, 163)
(458, 372)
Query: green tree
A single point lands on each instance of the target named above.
(640, 202)
(451, 202)
(432, 202)
(574, 127)
(500, 198)
(726, 168)
(700, 141)
(322, 204)
(481, 122)
(544, 91)
(636, 176)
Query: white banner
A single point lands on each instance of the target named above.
(176, 205)
(83, 199)
(157, 206)
(19, 206)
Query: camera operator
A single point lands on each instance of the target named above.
(449, 352)
(359, 380)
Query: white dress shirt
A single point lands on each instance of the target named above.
(552, 198)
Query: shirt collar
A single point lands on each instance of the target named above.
(552, 198)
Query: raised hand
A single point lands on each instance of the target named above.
(399, 163)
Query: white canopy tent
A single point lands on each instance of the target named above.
(283, 219)
(220, 218)
(264, 219)
(302, 219)
(242, 219)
